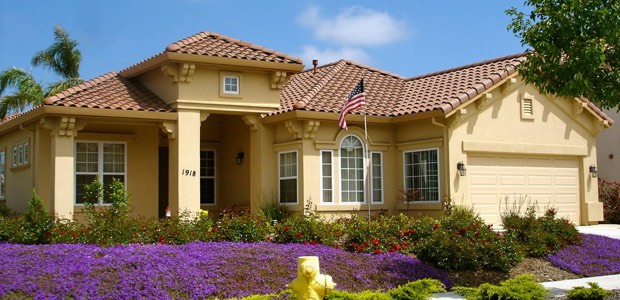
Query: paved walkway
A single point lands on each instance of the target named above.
(558, 288)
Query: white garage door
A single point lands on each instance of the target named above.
(547, 182)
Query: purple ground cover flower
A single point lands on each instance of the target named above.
(596, 256)
(194, 270)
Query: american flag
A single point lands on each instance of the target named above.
(356, 99)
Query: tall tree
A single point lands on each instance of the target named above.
(576, 47)
(62, 57)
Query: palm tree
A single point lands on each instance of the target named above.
(62, 57)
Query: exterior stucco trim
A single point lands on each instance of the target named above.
(531, 149)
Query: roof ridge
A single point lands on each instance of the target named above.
(301, 103)
(174, 47)
(80, 87)
(463, 67)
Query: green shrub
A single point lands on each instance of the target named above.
(241, 229)
(5, 211)
(383, 233)
(609, 195)
(594, 292)
(365, 295)
(275, 211)
(462, 241)
(521, 287)
(539, 236)
(307, 229)
(417, 290)
(35, 225)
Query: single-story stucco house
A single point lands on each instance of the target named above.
(214, 122)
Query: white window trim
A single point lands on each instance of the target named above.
(296, 177)
(21, 154)
(99, 167)
(371, 175)
(214, 177)
(331, 154)
(364, 168)
(238, 85)
(438, 174)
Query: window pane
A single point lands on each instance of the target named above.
(327, 177)
(80, 182)
(352, 169)
(207, 177)
(422, 175)
(288, 191)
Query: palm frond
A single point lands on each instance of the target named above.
(27, 91)
(59, 86)
(62, 57)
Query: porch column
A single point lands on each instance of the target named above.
(63, 164)
(262, 164)
(184, 163)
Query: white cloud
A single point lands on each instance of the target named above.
(354, 26)
(330, 55)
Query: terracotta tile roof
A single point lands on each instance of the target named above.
(12, 117)
(215, 44)
(110, 91)
(391, 95)
(218, 45)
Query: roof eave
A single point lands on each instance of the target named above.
(165, 57)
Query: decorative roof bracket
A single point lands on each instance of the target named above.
(278, 79)
(179, 72)
(578, 107)
(483, 100)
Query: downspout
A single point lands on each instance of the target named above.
(446, 156)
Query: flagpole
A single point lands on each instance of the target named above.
(367, 179)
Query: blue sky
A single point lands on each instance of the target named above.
(408, 38)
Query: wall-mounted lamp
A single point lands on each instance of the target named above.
(593, 171)
(240, 157)
(462, 169)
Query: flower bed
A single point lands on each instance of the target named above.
(596, 256)
(193, 270)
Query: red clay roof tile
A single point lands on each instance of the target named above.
(110, 91)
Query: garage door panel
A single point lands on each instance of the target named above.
(547, 181)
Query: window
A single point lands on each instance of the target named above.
(376, 175)
(327, 177)
(352, 170)
(231, 85)
(21, 154)
(288, 176)
(207, 177)
(102, 160)
(422, 175)
(2, 175)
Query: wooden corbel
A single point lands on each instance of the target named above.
(599, 125)
(484, 99)
(278, 79)
(458, 117)
(294, 127)
(169, 128)
(252, 121)
(311, 128)
(578, 107)
(508, 85)
(179, 72)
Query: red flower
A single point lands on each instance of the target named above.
(359, 248)
(337, 246)
(405, 245)
(411, 231)
(305, 242)
(353, 244)
(213, 229)
(377, 251)
(298, 235)
(477, 234)
(287, 228)
(393, 249)
(462, 230)
(313, 243)
(436, 226)
(375, 241)
(268, 238)
(548, 248)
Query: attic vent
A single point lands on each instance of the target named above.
(527, 109)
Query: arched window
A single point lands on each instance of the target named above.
(352, 170)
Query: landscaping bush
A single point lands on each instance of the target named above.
(417, 290)
(34, 227)
(274, 211)
(521, 287)
(539, 236)
(609, 195)
(594, 292)
(241, 229)
(382, 234)
(462, 241)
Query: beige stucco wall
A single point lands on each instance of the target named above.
(18, 180)
(608, 149)
(142, 140)
(555, 130)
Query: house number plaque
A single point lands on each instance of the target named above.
(186, 172)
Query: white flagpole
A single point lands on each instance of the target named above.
(367, 190)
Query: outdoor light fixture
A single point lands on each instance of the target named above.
(240, 157)
(593, 171)
(462, 169)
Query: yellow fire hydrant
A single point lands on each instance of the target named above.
(310, 284)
